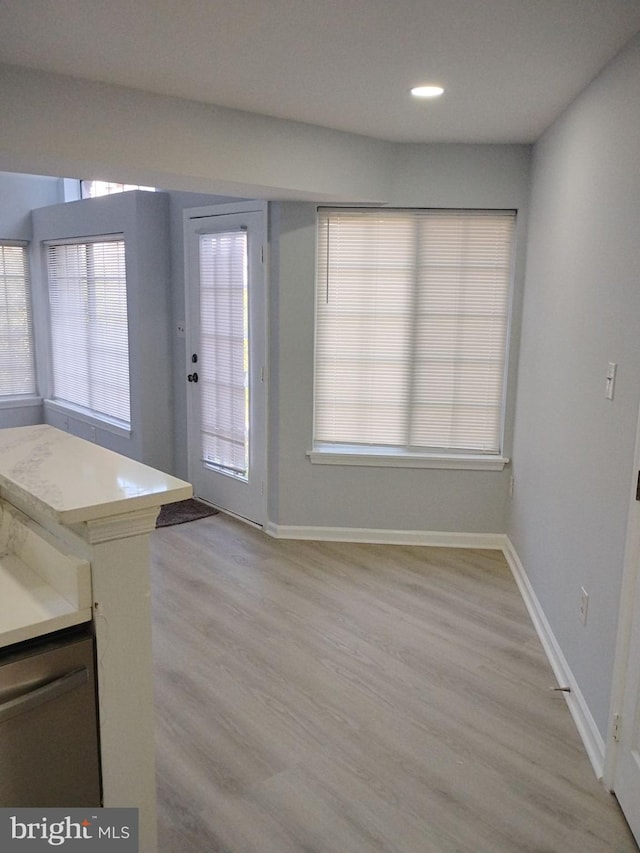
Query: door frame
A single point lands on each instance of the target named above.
(626, 617)
(224, 209)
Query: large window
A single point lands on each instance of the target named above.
(411, 330)
(94, 189)
(17, 371)
(89, 326)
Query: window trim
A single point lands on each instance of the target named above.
(387, 457)
(20, 401)
(328, 453)
(88, 417)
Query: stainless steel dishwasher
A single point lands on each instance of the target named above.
(49, 753)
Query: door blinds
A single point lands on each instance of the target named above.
(224, 356)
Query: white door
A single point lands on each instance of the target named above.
(626, 779)
(226, 349)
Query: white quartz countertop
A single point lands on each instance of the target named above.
(73, 480)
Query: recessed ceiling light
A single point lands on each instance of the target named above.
(427, 91)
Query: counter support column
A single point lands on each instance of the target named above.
(119, 556)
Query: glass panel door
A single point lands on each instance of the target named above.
(226, 337)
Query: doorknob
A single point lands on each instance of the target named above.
(192, 377)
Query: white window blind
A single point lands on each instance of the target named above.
(411, 328)
(89, 326)
(224, 356)
(17, 371)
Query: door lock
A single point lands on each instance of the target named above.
(194, 358)
(192, 377)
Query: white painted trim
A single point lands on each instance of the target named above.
(626, 615)
(122, 526)
(333, 455)
(372, 536)
(20, 402)
(587, 729)
(87, 417)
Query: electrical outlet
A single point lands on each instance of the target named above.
(584, 605)
(93, 433)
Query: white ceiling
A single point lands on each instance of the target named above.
(509, 67)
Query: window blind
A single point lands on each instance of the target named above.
(224, 356)
(89, 326)
(411, 328)
(17, 370)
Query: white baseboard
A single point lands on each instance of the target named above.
(587, 729)
(372, 536)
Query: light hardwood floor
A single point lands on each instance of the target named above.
(336, 698)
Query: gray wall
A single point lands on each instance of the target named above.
(400, 499)
(573, 449)
(19, 195)
(64, 126)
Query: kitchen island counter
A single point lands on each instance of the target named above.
(73, 480)
(75, 522)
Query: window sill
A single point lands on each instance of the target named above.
(86, 417)
(18, 402)
(336, 455)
